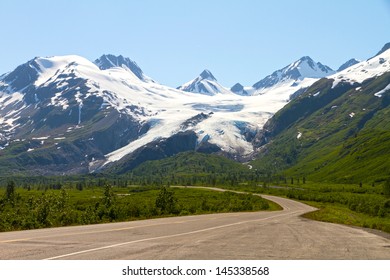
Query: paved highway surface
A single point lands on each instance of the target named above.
(255, 235)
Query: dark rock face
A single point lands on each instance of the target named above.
(159, 149)
(238, 89)
(347, 64)
(385, 48)
(23, 76)
(191, 122)
(206, 74)
(108, 61)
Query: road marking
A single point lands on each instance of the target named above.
(15, 240)
(166, 236)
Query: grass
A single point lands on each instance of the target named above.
(349, 204)
(363, 205)
(340, 214)
(335, 145)
(30, 209)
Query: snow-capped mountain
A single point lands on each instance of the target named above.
(362, 71)
(347, 64)
(68, 114)
(65, 111)
(294, 73)
(205, 83)
(345, 115)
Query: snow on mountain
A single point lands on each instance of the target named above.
(109, 108)
(290, 81)
(232, 119)
(364, 70)
(294, 73)
(63, 96)
(347, 64)
(285, 84)
(205, 83)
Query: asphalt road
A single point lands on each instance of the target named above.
(255, 235)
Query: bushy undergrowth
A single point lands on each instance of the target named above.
(360, 205)
(30, 209)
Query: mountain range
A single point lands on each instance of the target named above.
(68, 115)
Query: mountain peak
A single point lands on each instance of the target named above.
(348, 64)
(385, 48)
(239, 89)
(306, 58)
(207, 75)
(305, 67)
(23, 75)
(108, 61)
(205, 83)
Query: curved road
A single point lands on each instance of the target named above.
(255, 235)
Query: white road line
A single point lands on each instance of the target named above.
(166, 236)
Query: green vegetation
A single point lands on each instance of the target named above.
(30, 208)
(359, 205)
(341, 214)
(337, 138)
(339, 163)
(190, 169)
(344, 134)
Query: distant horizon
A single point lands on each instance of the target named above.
(173, 42)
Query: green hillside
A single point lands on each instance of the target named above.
(339, 134)
(189, 163)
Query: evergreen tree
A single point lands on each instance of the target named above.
(166, 201)
(109, 196)
(10, 191)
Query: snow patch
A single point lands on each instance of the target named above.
(380, 93)
(364, 70)
(41, 138)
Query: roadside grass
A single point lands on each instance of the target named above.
(340, 214)
(31, 209)
(362, 205)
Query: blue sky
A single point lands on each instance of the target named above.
(173, 41)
